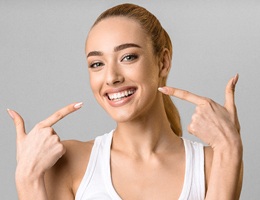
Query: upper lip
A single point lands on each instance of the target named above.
(116, 90)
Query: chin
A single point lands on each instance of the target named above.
(121, 117)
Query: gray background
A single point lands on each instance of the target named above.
(43, 68)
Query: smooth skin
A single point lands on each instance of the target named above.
(143, 141)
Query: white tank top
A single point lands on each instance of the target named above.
(97, 183)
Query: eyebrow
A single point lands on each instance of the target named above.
(116, 49)
(95, 53)
(125, 46)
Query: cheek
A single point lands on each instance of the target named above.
(147, 68)
(150, 74)
(95, 83)
(91, 81)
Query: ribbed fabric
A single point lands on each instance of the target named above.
(97, 183)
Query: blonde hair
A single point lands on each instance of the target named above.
(160, 40)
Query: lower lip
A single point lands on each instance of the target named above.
(120, 102)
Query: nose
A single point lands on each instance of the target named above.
(113, 75)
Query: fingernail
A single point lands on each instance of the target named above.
(161, 89)
(10, 112)
(235, 79)
(78, 105)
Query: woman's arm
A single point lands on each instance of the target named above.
(29, 188)
(226, 173)
(37, 152)
(217, 126)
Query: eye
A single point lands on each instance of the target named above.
(96, 65)
(129, 57)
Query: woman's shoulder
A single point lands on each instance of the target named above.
(70, 168)
(76, 159)
(76, 148)
(76, 151)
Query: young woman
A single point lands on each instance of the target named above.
(129, 58)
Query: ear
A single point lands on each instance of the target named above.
(165, 63)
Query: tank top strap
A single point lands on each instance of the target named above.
(90, 168)
(96, 182)
(194, 180)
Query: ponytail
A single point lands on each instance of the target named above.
(170, 109)
(172, 115)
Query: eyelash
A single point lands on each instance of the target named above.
(129, 57)
(93, 65)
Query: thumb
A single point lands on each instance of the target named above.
(230, 95)
(19, 124)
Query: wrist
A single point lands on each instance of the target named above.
(228, 154)
(28, 176)
(30, 187)
(228, 145)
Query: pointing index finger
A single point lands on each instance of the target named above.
(60, 114)
(182, 94)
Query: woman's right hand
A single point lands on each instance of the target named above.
(41, 148)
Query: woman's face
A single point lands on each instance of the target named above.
(124, 72)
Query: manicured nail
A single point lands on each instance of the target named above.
(235, 79)
(161, 89)
(10, 112)
(78, 105)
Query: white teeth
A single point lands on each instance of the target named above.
(120, 95)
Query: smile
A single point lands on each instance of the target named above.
(120, 95)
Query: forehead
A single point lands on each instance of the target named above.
(115, 31)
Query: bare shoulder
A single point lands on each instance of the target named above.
(76, 151)
(63, 179)
(76, 157)
(208, 162)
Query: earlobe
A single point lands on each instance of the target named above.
(165, 63)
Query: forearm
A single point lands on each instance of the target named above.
(30, 188)
(225, 174)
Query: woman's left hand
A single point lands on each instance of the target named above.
(219, 127)
(214, 124)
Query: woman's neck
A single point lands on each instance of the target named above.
(146, 135)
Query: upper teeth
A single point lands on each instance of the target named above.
(120, 95)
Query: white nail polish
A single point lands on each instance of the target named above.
(161, 89)
(78, 105)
